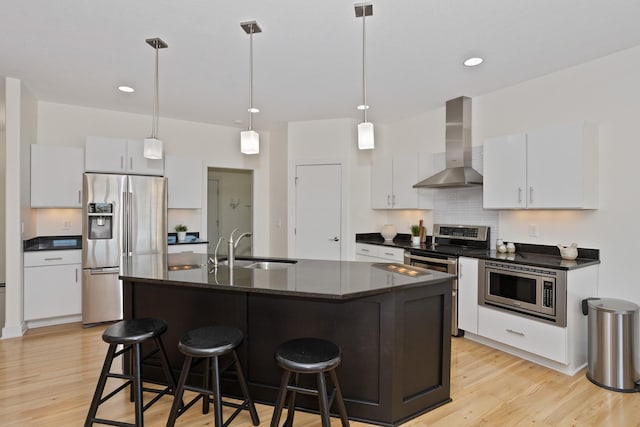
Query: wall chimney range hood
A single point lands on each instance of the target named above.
(458, 171)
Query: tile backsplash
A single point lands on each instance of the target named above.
(463, 205)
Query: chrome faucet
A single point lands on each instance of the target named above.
(214, 260)
(232, 247)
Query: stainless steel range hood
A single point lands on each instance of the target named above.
(458, 171)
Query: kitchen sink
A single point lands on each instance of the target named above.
(270, 265)
(238, 262)
(261, 264)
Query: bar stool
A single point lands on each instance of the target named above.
(209, 343)
(309, 356)
(131, 334)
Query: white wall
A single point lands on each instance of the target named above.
(604, 92)
(3, 174)
(334, 141)
(278, 169)
(21, 131)
(218, 146)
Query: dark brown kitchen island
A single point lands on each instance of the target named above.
(390, 320)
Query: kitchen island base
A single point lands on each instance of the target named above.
(396, 346)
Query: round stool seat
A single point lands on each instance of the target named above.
(308, 355)
(134, 331)
(210, 341)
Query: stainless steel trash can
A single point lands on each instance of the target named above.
(613, 344)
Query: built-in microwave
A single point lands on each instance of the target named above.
(533, 291)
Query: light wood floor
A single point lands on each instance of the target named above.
(47, 378)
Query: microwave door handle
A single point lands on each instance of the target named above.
(434, 260)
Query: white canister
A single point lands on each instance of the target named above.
(511, 248)
(388, 232)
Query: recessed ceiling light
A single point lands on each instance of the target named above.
(472, 62)
(126, 89)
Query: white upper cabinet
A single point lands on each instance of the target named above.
(185, 182)
(114, 155)
(56, 176)
(551, 168)
(392, 181)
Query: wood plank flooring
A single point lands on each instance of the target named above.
(47, 378)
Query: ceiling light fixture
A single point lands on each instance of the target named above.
(472, 62)
(126, 89)
(152, 145)
(365, 129)
(249, 139)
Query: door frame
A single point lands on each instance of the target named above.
(346, 247)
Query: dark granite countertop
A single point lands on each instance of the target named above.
(52, 243)
(526, 254)
(340, 280)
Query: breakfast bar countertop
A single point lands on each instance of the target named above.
(308, 278)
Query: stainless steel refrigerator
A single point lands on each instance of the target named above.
(124, 215)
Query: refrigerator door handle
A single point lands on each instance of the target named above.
(125, 222)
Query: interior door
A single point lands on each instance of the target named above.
(318, 211)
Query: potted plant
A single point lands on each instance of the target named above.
(415, 235)
(181, 229)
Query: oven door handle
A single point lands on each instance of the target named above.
(434, 260)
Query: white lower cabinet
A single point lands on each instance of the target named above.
(52, 287)
(377, 253)
(468, 294)
(529, 335)
(561, 348)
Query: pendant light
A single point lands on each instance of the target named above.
(152, 145)
(365, 129)
(249, 139)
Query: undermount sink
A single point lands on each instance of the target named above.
(269, 265)
(238, 262)
(260, 264)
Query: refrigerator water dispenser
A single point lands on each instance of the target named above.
(100, 221)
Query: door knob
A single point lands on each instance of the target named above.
(335, 239)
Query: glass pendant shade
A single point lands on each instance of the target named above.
(365, 136)
(249, 142)
(152, 148)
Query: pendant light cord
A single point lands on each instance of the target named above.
(250, 73)
(364, 65)
(154, 125)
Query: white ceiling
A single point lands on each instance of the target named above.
(307, 60)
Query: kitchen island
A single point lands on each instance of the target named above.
(391, 321)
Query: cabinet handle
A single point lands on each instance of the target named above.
(335, 239)
(511, 331)
(364, 250)
(531, 194)
(519, 195)
(388, 253)
(79, 197)
(122, 162)
(130, 163)
(388, 200)
(58, 258)
(76, 275)
(393, 200)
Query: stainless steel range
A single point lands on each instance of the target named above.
(449, 242)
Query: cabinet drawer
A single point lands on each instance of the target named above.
(529, 335)
(367, 250)
(34, 259)
(193, 248)
(391, 254)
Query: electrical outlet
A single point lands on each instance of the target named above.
(66, 225)
(533, 230)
